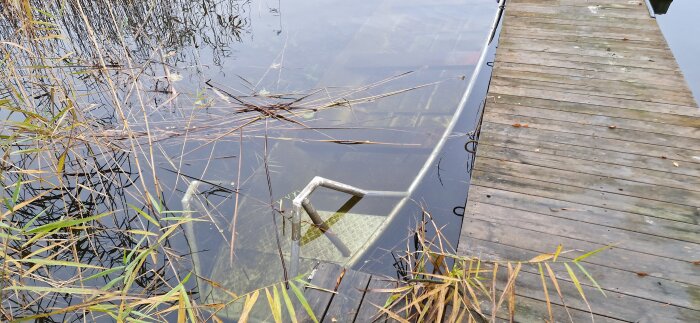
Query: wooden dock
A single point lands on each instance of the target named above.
(591, 137)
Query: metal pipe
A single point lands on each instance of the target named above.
(438, 147)
(301, 202)
(189, 230)
(318, 221)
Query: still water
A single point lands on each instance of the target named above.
(242, 103)
(679, 24)
(381, 140)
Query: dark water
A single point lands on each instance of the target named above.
(254, 99)
(679, 23)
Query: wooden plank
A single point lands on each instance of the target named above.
(644, 39)
(593, 132)
(622, 73)
(346, 303)
(629, 88)
(583, 195)
(368, 311)
(327, 277)
(601, 216)
(612, 61)
(614, 187)
(528, 309)
(596, 168)
(617, 304)
(639, 25)
(588, 87)
(608, 49)
(630, 121)
(605, 11)
(541, 241)
(593, 31)
(628, 147)
(671, 120)
(588, 154)
(595, 100)
(581, 229)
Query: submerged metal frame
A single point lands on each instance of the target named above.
(301, 201)
(453, 123)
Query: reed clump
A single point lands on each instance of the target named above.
(437, 285)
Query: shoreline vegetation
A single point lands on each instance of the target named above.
(85, 233)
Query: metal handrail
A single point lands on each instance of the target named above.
(301, 201)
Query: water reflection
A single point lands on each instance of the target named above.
(252, 104)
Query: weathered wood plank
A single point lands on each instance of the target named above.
(595, 100)
(671, 120)
(593, 87)
(617, 304)
(325, 277)
(622, 73)
(633, 285)
(630, 121)
(588, 154)
(581, 229)
(601, 11)
(582, 195)
(541, 241)
(598, 168)
(637, 24)
(612, 61)
(615, 188)
(591, 31)
(346, 303)
(647, 92)
(585, 141)
(594, 132)
(609, 49)
(368, 311)
(625, 221)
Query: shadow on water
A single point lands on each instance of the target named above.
(111, 110)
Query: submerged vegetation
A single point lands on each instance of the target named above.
(86, 232)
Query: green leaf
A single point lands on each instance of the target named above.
(275, 304)
(30, 222)
(48, 262)
(67, 223)
(61, 162)
(104, 273)
(575, 280)
(290, 306)
(156, 203)
(579, 258)
(557, 252)
(303, 301)
(585, 272)
(145, 215)
(59, 290)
